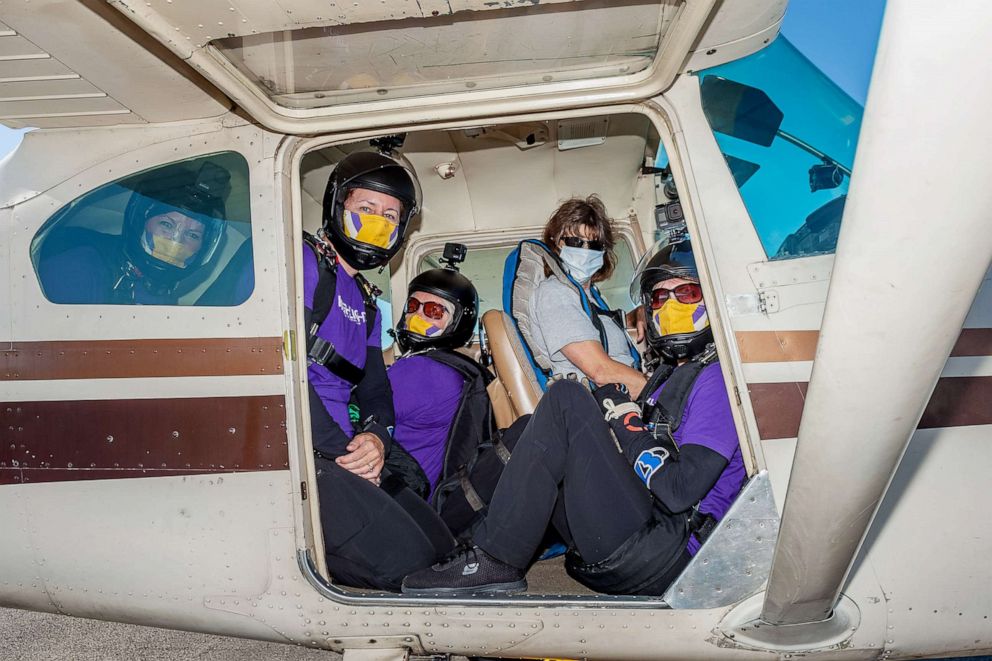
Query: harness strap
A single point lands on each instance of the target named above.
(471, 495)
(502, 451)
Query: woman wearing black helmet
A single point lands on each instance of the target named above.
(634, 505)
(372, 535)
(429, 381)
(172, 229)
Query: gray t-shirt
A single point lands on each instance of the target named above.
(559, 320)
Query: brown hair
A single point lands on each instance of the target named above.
(590, 212)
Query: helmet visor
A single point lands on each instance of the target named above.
(665, 259)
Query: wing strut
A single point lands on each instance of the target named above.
(914, 247)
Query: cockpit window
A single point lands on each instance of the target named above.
(789, 136)
(179, 234)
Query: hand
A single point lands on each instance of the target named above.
(616, 393)
(615, 402)
(366, 457)
(635, 319)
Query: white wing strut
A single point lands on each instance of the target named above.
(913, 249)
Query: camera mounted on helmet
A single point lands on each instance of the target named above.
(677, 324)
(415, 330)
(367, 233)
(173, 226)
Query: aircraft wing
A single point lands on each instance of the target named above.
(78, 64)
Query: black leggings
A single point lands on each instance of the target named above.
(373, 539)
(565, 469)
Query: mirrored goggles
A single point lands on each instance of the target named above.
(579, 242)
(432, 310)
(689, 292)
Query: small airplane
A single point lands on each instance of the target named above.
(156, 464)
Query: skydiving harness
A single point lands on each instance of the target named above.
(664, 416)
(320, 350)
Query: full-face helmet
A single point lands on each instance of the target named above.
(677, 324)
(368, 241)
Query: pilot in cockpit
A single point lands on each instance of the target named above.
(172, 228)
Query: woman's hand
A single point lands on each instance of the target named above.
(366, 457)
(635, 320)
(590, 357)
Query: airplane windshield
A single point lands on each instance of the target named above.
(789, 135)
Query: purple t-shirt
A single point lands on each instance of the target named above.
(707, 421)
(426, 395)
(345, 328)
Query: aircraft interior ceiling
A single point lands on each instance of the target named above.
(500, 184)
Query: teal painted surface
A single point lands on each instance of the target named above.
(817, 111)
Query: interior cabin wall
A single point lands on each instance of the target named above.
(499, 189)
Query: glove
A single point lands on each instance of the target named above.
(646, 452)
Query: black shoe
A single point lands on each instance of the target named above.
(468, 570)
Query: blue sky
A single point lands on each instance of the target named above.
(839, 36)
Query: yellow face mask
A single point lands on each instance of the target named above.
(168, 251)
(368, 228)
(416, 324)
(674, 318)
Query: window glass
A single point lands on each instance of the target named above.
(484, 267)
(381, 280)
(179, 234)
(789, 136)
(616, 290)
(498, 48)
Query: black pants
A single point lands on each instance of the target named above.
(372, 538)
(565, 469)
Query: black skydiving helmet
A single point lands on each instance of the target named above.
(164, 220)
(461, 297)
(666, 260)
(362, 241)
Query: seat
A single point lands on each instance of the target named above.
(513, 370)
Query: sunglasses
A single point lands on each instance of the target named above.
(579, 242)
(432, 310)
(689, 292)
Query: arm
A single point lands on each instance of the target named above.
(368, 449)
(590, 357)
(375, 397)
(677, 477)
(328, 437)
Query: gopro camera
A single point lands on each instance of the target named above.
(454, 254)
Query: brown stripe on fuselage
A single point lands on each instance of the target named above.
(777, 346)
(104, 439)
(798, 345)
(956, 402)
(973, 342)
(116, 359)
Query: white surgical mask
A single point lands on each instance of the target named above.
(582, 263)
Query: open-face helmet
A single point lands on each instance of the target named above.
(165, 219)
(412, 334)
(677, 325)
(366, 241)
